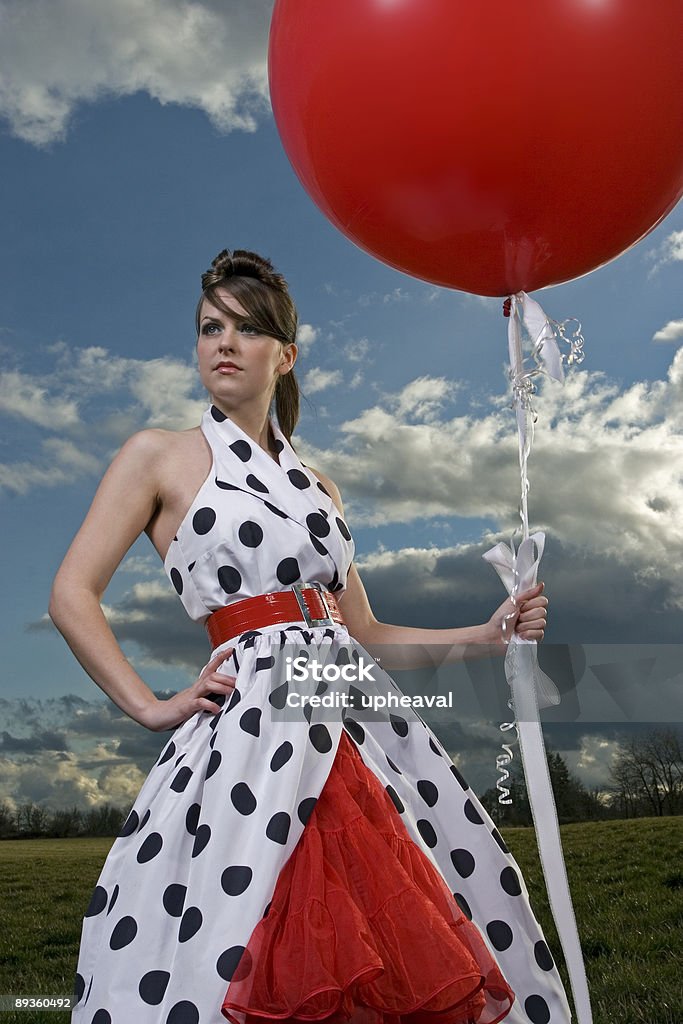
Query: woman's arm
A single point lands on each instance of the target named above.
(124, 503)
(404, 647)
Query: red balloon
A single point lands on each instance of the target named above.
(491, 147)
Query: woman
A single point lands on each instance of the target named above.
(277, 863)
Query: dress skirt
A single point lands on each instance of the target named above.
(361, 927)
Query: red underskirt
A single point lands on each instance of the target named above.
(362, 927)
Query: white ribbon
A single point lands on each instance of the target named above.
(531, 687)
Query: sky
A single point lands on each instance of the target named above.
(137, 141)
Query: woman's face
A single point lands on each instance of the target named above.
(258, 359)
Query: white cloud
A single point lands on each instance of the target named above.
(20, 396)
(601, 456)
(673, 331)
(670, 251)
(318, 380)
(306, 336)
(55, 54)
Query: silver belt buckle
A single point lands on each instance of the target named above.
(305, 614)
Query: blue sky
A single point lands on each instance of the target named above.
(136, 143)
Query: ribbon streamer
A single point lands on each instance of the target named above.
(531, 688)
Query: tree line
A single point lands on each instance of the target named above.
(646, 780)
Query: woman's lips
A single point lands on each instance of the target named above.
(227, 369)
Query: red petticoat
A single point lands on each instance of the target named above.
(362, 927)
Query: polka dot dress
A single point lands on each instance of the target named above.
(196, 863)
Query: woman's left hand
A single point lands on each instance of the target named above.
(528, 617)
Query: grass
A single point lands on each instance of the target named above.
(626, 879)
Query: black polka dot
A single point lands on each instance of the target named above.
(191, 566)
(434, 747)
(463, 904)
(250, 534)
(343, 528)
(236, 879)
(183, 1012)
(393, 767)
(428, 792)
(144, 820)
(499, 839)
(277, 828)
(242, 450)
(278, 697)
(426, 830)
(201, 839)
(181, 779)
(509, 881)
(395, 799)
(166, 756)
(98, 902)
(543, 956)
(192, 818)
(149, 848)
(317, 524)
(133, 820)
(256, 485)
(276, 511)
(152, 987)
(319, 736)
(191, 923)
(114, 897)
(500, 934)
(355, 730)
(101, 1017)
(463, 862)
(203, 520)
(177, 580)
(227, 962)
(288, 571)
(243, 800)
(323, 488)
(298, 479)
(399, 725)
(472, 814)
(214, 764)
(224, 486)
(537, 1009)
(79, 987)
(281, 756)
(305, 809)
(124, 932)
(264, 664)
(174, 899)
(217, 414)
(320, 548)
(229, 579)
(250, 722)
(461, 779)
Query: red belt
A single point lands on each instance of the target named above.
(306, 602)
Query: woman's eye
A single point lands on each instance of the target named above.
(249, 329)
(209, 328)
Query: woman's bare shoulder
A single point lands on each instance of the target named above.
(155, 444)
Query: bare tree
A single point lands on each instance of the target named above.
(648, 774)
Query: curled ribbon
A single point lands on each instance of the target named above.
(531, 688)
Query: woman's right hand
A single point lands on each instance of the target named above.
(167, 714)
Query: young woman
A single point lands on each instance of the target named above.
(279, 862)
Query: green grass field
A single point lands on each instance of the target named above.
(626, 879)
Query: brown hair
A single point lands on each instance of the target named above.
(264, 293)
